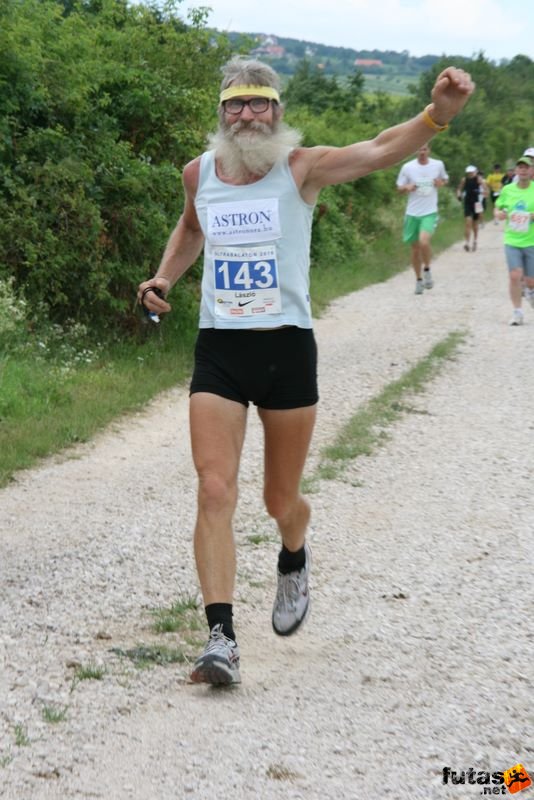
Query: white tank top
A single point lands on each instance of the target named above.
(256, 251)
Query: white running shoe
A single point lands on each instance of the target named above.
(517, 318)
(218, 663)
(428, 281)
(419, 286)
(292, 602)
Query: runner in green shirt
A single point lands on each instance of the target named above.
(515, 204)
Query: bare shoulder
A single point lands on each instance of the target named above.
(190, 179)
(190, 176)
(303, 159)
(303, 162)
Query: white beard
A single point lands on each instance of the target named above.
(252, 148)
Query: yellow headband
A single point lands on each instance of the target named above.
(257, 91)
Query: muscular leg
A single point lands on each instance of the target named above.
(416, 259)
(425, 249)
(475, 233)
(287, 439)
(217, 433)
(516, 290)
(468, 230)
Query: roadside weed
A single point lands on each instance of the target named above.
(89, 672)
(184, 614)
(54, 714)
(183, 617)
(147, 655)
(21, 736)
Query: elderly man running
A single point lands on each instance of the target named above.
(249, 202)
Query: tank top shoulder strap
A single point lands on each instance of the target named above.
(207, 162)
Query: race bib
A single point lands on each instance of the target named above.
(244, 222)
(425, 187)
(246, 281)
(519, 221)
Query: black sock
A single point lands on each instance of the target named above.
(291, 562)
(426, 269)
(221, 614)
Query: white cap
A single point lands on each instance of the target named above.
(471, 168)
(529, 152)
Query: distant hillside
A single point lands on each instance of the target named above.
(384, 70)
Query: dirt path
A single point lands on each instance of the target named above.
(418, 654)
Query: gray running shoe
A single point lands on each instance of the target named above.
(428, 282)
(517, 318)
(419, 286)
(292, 602)
(218, 664)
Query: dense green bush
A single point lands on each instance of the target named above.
(102, 104)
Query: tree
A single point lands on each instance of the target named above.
(103, 103)
(309, 87)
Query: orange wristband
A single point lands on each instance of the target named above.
(427, 119)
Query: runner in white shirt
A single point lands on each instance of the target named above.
(420, 180)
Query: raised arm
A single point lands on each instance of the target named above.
(321, 166)
(182, 250)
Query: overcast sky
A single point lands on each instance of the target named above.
(500, 28)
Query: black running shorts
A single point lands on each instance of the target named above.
(469, 210)
(273, 369)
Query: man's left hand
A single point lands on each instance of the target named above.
(452, 90)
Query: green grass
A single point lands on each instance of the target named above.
(145, 656)
(257, 539)
(45, 406)
(21, 736)
(89, 672)
(368, 428)
(183, 615)
(185, 618)
(54, 396)
(54, 714)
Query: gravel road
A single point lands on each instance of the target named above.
(418, 654)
